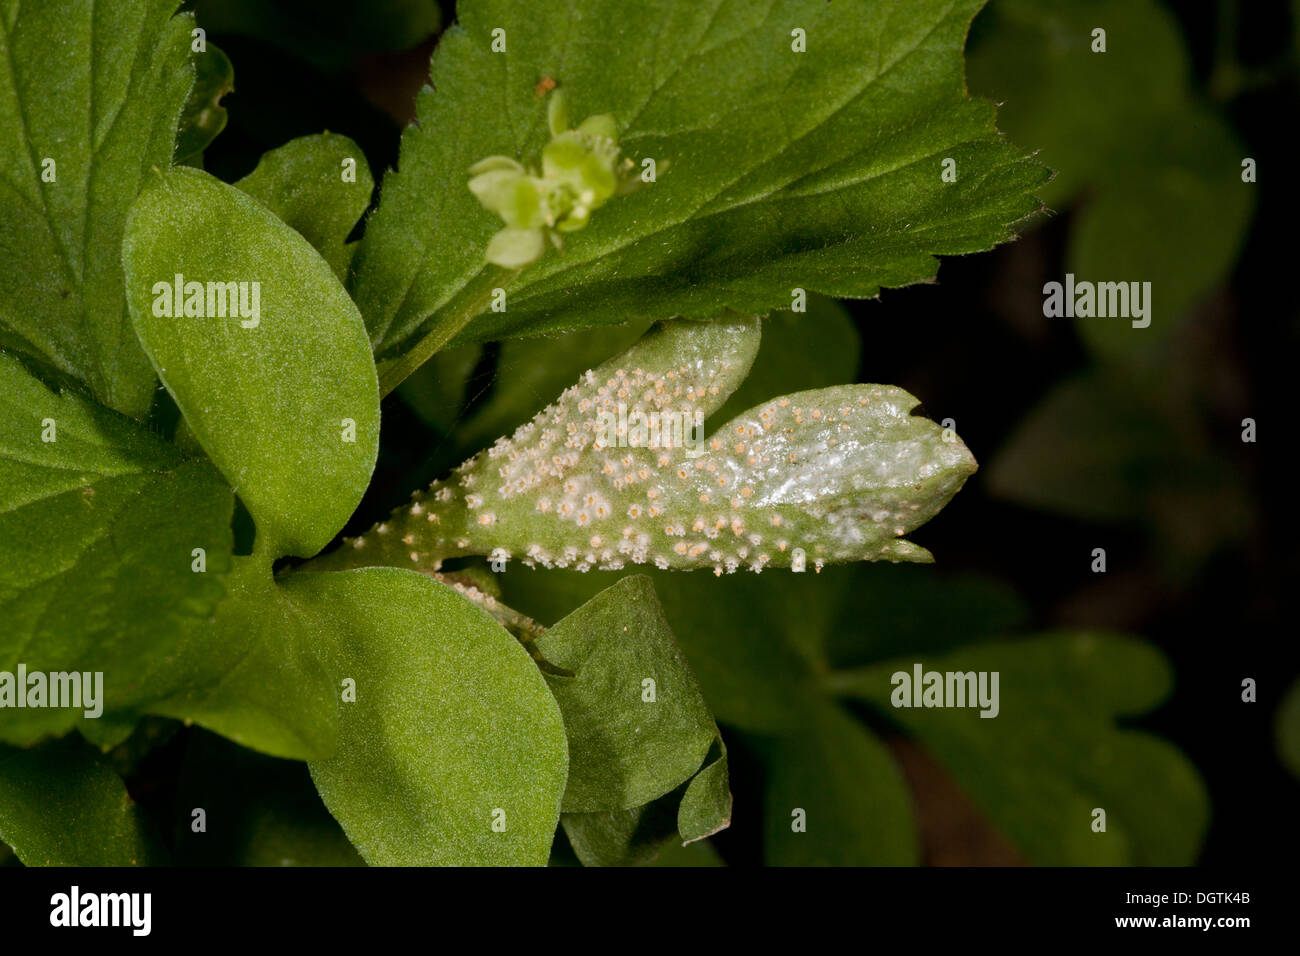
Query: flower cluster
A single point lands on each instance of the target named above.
(580, 171)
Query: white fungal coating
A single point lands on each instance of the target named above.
(617, 471)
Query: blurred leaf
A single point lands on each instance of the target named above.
(438, 392)
(60, 806)
(1054, 751)
(856, 809)
(102, 105)
(1175, 215)
(843, 196)
(1085, 111)
(1089, 448)
(204, 117)
(453, 729)
(890, 609)
(625, 751)
(253, 387)
(147, 735)
(259, 811)
(109, 731)
(98, 527)
(694, 854)
(1165, 203)
(302, 183)
(1103, 449)
(329, 34)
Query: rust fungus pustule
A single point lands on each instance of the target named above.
(618, 471)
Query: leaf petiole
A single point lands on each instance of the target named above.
(469, 303)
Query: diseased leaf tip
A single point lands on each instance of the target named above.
(617, 470)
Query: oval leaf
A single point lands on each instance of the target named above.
(262, 349)
(453, 751)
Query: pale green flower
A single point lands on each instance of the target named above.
(579, 173)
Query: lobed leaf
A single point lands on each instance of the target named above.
(99, 525)
(104, 111)
(1055, 753)
(835, 797)
(1157, 177)
(775, 169)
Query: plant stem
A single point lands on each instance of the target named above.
(470, 302)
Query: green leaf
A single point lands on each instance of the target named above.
(439, 391)
(739, 632)
(329, 34)
(109, 731)
(303, 183)
(1076, 106)
(628, 743)
(104, 109)
(60, 806)
(1105, 447)
(282, 394)
(706, 805)
(1091, 448)
(258, 673)
(1054, 753)
(453, 727)
(617, 471)
(147, 735)
(693, 854)
(633, 837)
(204, 117)
(775, 169)
(888, 610)
(1164, 199)
(856, 809)
(99, 522)
(1176, 217)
